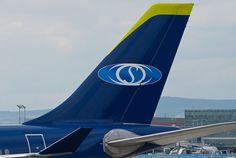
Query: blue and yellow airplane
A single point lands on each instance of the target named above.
(109, 115)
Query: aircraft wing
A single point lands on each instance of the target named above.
(64, 146)
(170, 137)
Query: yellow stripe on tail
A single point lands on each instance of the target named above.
(161, 9)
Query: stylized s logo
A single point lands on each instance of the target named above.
(130, 74)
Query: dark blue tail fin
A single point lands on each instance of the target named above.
(127, 84)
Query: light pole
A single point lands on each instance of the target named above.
(24, 107)
(19, 106)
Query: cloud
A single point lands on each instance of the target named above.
(49, 47)
(202, 78)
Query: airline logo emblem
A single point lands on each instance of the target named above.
(130, 74)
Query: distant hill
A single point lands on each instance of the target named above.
(12, 117)
(174, 106)
(167, 107)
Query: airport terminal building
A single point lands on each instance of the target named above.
(222, 141)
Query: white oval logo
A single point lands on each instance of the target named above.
(130, 74)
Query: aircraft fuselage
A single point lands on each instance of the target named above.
(32, 139)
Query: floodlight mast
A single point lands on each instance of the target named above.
(21, 107)
(24, 107)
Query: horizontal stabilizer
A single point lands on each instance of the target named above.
(170, 137)
(64, 146)
(68, 144)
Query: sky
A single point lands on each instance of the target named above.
(48, 47)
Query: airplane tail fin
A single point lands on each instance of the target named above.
(127, 84)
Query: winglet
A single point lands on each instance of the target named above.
(67, 144)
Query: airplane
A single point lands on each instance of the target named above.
(110, 113)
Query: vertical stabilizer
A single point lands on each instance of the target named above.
(127, 84)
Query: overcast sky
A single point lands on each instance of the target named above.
(48, 47)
